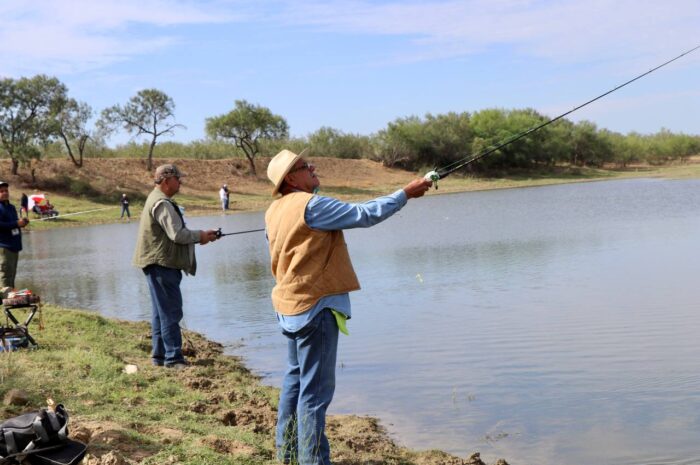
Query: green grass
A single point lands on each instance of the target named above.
(80, 362)
(215, 412)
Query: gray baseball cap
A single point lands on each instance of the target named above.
(167, 171)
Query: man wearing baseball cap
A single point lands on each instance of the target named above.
(164, 249)
(10, 238)
(314, 275)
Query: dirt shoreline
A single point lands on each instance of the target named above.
(216, 411)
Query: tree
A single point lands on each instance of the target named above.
(69, 119)
(330, 142)
(246, 125)
(150, 111)
(449, 135)
(433, 141)
(490, 129)
(401, 143)
(588, 148)
(25, 106)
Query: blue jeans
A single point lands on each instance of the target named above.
(164, 284)
(307, 391)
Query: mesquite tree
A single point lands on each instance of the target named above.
(69, 123)
(25, 108)
(246, 125)
(150, 111)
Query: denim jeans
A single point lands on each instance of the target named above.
(164, 284)
(307, 391)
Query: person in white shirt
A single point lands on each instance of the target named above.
(223, 196)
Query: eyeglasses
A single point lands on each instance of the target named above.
(304, 166)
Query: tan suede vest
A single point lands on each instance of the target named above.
(307, 263)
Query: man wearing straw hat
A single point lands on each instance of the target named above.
(313, 274)
(164, 249)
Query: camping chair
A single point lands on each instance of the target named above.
(45, 211)
(40, 205)
(15, 334)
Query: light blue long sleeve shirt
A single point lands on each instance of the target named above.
(329, 214)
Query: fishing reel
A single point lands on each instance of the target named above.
(432, 176)
(219, 234)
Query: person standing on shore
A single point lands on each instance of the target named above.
(223, 196)
(164, 249)
(125, 206)
(24, 206)
(313, 275)
(10, 238)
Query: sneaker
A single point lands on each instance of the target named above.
(157, 362)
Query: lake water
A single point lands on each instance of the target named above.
(553, 325)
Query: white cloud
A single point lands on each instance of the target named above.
(71, 36)
(554, 29)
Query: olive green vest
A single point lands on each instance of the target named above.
(307, 263)
(154, 247)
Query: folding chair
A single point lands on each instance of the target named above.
(13, 328)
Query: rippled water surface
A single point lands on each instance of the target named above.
(554, 325)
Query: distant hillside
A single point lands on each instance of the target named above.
(105, 179)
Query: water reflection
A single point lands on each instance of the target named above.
(547, 325)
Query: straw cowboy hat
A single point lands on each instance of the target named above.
(279, 167)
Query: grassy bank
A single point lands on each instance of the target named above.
(97, 186)
(214, 412)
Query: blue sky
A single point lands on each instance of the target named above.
(357, 65)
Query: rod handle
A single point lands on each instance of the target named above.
(432, 176)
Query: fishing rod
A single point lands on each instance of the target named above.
(445, 171)
(220, 234)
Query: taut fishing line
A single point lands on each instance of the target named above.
(48, 218)
(219, 233)
(445, 171)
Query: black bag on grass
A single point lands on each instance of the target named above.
(32, 433)
(69, 453)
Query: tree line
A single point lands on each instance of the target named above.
(39, 119)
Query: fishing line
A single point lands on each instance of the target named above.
(445, 171)
(219, 233)
(71, 214)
